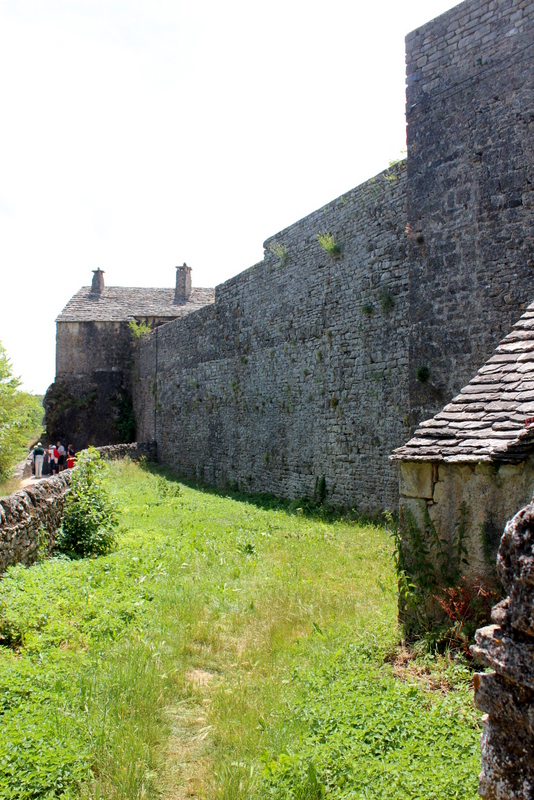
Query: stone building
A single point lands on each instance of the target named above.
(310, 364)
(90, 402)
(472, 465)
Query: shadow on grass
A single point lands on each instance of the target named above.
(311, 507)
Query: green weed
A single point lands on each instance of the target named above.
(329, 244)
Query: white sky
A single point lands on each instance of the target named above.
(138, 134)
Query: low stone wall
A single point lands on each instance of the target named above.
(27, 512)
(30, 517)
(507, 694)
(135, 451)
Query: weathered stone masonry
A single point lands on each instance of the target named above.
(299, 368)
(470, 189)
(308, 365)
(507, 694)
(287, 378)
(90, 402)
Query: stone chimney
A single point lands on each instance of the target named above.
(97, 286)
(183, 284)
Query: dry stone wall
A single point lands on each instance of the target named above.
(29, 520)
(299, 368)
(506, 695)
(470, 189)
(30, 517)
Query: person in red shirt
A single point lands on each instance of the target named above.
(70, 456)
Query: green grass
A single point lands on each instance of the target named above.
(238, 649)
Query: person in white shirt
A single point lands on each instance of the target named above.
(61, 457)
(38, 458)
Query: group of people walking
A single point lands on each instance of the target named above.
(55, 455)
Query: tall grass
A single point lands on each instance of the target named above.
(226, 649)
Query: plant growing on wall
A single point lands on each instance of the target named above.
(139, 328)
(125, 419)
(387, 301)
(422, 374)
(280, 251)
(329, 244)
(368, 309)
(429, 570)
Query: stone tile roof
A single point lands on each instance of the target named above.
(492, 419)
(119, 304)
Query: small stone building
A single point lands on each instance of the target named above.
(472, 465)
(90, 401)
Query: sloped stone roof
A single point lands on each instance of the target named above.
(492, 419)
(120, 304)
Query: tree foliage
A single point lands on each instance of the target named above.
(21, 417)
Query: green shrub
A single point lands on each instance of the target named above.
(90, 516)
(138, 329)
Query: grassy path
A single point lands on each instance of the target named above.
(225, 650)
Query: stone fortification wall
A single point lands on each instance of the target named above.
(470, 189)
(85, 347)
(144, 384)
(299, 368)
(90, 402)
(30, 517)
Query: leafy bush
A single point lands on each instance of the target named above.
(467, 607)
(90, 516)
(438, 604)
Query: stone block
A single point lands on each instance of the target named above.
(416, 479)
(417, 507)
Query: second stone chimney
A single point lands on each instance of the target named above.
(97, 286)
(183, 284)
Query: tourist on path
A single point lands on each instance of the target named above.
(61, 457)
(53, 457)
(70, 456)
(38, 458)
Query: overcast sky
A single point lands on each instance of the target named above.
(139, 134)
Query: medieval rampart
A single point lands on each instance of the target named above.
(320, 366)
(299, 368)
(470, 134)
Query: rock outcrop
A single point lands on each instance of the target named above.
(507, 694)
